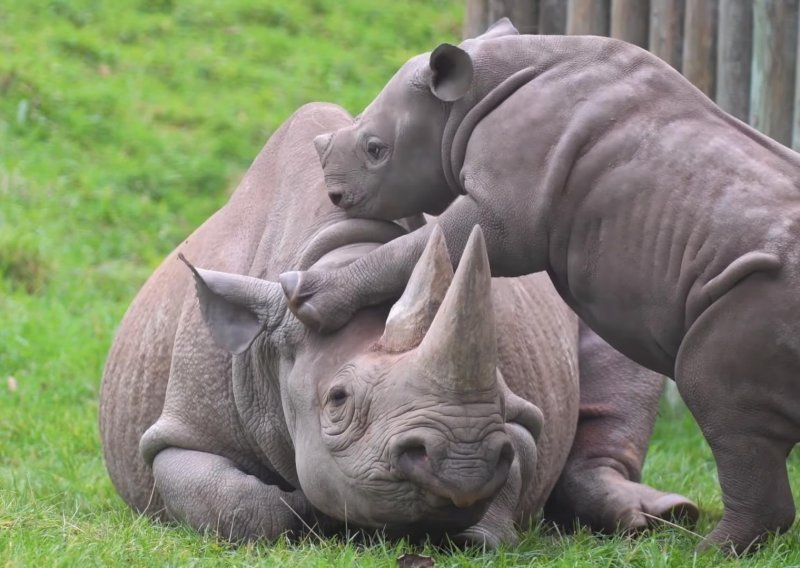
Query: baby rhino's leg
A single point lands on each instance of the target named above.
(738, 370)
(599, 486)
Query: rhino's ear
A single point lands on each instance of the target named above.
(236, 308)
(451, 72)
(501, 28)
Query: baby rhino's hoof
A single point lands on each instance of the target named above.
(739, 535)
(312, 300)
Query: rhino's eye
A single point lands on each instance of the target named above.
(376, 149)
(339, 410)
(337, 395)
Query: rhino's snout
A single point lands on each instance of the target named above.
(463, 476)
(323, 144)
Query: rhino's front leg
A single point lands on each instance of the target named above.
(599, 486)
(325, 301)
(208, 491)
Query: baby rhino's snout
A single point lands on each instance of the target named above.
(462, 473)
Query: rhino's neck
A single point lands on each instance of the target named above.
(501, 67)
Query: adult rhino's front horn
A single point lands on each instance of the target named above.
(459, 350)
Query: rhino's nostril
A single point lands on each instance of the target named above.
(411, 458)
(335, 197)
(506, 455)
(416, 453)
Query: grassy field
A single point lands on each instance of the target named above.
(123, 125)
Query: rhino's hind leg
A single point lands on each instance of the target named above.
(208, 492)
(599, 486)
(737, 370)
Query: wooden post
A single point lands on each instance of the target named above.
(773, 72)
(796, 120)
(699, 44)
(552, 17)
(524, 14)
(476, 18)
(666, 28)
(587, 17)
(630, 20)
(734, 56)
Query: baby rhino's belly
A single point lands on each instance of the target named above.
(649, 336)
(634, 295)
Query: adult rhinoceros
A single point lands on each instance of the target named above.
(410, 425)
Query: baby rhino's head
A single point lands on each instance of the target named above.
(388, 164)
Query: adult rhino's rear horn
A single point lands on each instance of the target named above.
(460, 349)
(412, 315)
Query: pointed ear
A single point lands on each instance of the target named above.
(451, 72)
(236, 309)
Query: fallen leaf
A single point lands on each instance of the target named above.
(414, 561)
(12, 384)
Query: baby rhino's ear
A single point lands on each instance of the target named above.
(451, 72)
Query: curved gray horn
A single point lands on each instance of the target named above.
(412, 315)
(460, 348)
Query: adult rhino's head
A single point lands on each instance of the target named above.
(407, 426)
(389, 163)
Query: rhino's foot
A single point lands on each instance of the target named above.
(606, 501)
(317, 300)
(738, 535)
(487, 537)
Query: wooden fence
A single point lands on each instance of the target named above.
(741, 53)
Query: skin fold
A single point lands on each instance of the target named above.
(448, 416)
(668, 226)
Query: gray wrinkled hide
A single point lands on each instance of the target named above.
(163, 365)
(669, 226)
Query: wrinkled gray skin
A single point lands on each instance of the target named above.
(668, 226)
(410, 428)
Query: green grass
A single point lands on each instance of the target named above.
(123, 125)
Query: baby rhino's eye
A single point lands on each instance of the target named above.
(375, 149)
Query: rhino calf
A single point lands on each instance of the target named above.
(670, 227)
(450, 415)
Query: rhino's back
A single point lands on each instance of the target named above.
(538, 349)
(135, 381)
(235, 239)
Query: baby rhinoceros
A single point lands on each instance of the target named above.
(455, 417)
(670, 227)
